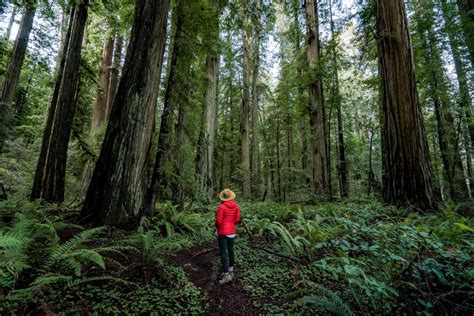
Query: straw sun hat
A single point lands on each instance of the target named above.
(226, 195)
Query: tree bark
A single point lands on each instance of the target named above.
(316, 104)
(178, 187)
(277, 140)
(18, 55)
(60, 62)
(13, 70)
(289, 150)
(300, 96)
(205, 158)
(255, 171)
(114, 73)
(52, 188)
(342, 163)
(245, 159)
(119, 182)
(10, 24)
(406, 167)
(371, 171)
(99, 112)
(166, 125)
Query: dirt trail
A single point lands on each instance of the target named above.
(202, 265)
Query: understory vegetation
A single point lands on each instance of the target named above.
(354, 256)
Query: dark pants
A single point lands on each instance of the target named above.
(226, 244)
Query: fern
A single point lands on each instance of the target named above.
(294, 245)
(328, 302)
(173, 221)
(68, 281)
(70, 247)
(11, 240)
(76, 282)
(13, 257)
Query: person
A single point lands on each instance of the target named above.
(227, 215)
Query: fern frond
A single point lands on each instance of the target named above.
(89, 255)
(12, 240)
(71, 245)
(328, 301)
(76, 282)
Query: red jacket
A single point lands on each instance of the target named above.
(228, 214)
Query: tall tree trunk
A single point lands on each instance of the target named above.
(13, 70)
(178, 187)
(466, 11)
(255, 110)
(166, 125)
(436, 163)
(448, 144)
(406, 167)
(114, 73)
(10, 24)
(66, 22)
(99, 112)
(60, 62)
(289, 150)
(342, 163)
(245, 159)
(300, 95)
(316, 111)
(18, 55)
(371, 171)
(52, 188)
(277, 140)
(465, 101)
(118, 186)
(205, 157)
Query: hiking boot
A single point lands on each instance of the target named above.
(226, 278)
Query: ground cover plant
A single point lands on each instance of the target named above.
(340, 258)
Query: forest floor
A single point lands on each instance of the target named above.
(203, 268)
(351, 257)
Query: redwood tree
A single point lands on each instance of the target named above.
(406, 168)
(60, 63)
(52, 185)
(99, 112)
(244, 127)
(205, 152)
(14, 66)
(19, 51)
(166, 124)
(336, 95)
(114, 73)
(118, 185)
(255, 144)
(316, 103)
